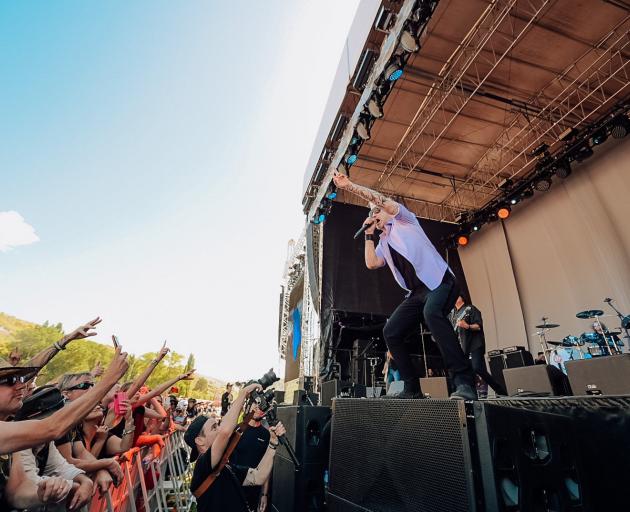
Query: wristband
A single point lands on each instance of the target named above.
(130, 431)
(273, 446)
(370, 237)
(59, 347)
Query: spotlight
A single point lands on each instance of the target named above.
(620, 127)
(319, 218)
(583, 153)
(394, 70)
(542, 149)
(563, 169)
(363, 128)
(504, 212)
(599, 137)
(462, 240)
(542, 184)
(514, 201)
(375, 106)
(408, 40)
(332, 194)
(352, 153)
(352, 158)
(476, 227)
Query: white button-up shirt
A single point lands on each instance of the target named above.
(407, 238)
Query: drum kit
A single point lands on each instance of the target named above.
(596, 343)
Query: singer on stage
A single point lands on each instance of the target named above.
(432, 289)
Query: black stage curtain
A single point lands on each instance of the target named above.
(349, 287)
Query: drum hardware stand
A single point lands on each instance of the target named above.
(373, 363)
(606, 341)
(625, 322)
(542, 337)
(424, 350)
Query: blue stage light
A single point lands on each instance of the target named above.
(332, 195)
(395, 75)
(321, 218)
(351, 159)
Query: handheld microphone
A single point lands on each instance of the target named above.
(361, 231)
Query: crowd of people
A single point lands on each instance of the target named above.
(63, 442)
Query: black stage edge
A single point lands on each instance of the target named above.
(503, 455)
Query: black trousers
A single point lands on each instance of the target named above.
(435, 307)
(479, 367)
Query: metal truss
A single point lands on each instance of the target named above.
(461, 77)
(604, 78)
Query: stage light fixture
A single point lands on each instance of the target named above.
(395, 69)
(504, 212)
(599, 137)
(563, 169)
(476, 227)
(542, 149)
(375, 108)
(514, 201)
(408, 39)
(363, 128)
(462, 240)
(620, 127)
(527, 193)
(583, 153)
(332, 195)
(352, 158)
(542, 184)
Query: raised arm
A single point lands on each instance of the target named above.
(83, 331)
(142, 378)
(228, 424)
(163, 387)
(24, 434)
(260, 474)
(371, 196)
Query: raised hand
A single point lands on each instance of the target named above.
(276, 432)
(98, 370)
(117, 367)
(188, 375)
(83, 331)
(163, 351)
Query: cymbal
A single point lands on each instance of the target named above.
(554, 343)
(589, 313)
(547, 326)
(613, 333)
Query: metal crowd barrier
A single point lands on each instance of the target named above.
(151, 483)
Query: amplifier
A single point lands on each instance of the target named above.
(608, 375)
(540, 378)
(334, 388)
(515, 357)
(496, 362)
(400, 455)
(300, 398)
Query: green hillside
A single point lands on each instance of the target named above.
(83, 355)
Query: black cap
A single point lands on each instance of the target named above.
(194, 429)
(8, 370)
(41, 404)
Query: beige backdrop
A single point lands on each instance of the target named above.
(560, 252)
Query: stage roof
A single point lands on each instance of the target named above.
(491, 81)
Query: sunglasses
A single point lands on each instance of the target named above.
(83, 386)
(13, 380)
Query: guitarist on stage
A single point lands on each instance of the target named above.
(468, 324)
(208, 441)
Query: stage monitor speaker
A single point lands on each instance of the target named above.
(516, 357)
(278, 396)
(434, 387)
(496, 362)
(553, 454)
(608, 375)
(306, 431)
(300, 398)
(540, 378)
(400, 455)
(293, 490)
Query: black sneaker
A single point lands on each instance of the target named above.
(464, 392)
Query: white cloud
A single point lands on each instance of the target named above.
(14, 231)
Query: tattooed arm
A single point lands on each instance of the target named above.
(371, 196)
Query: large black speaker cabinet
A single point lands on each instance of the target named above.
(600, 375)
(308, 431)
(496, 362)
(539, 378)
(554, 454)
(400, 455)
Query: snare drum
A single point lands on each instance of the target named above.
(595, 350)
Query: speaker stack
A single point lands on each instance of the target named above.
(504, 455)
(308, 432)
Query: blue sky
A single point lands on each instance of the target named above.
(157, 151)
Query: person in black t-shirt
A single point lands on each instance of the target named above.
(249, 452)
(208, 441)
(468, 324)
(226, 399)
